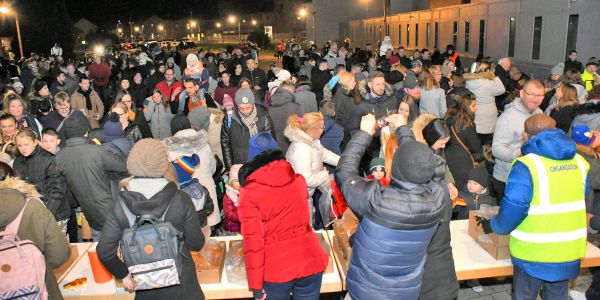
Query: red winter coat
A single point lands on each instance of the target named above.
(168, 90)
(100, 73)
(222, 90)
(279, 244)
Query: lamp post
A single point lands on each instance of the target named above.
(161, 28)
(232, 20)
(5, 10)
(303, 13)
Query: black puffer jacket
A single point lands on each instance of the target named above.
(40, 169)
(182, 216)
(86, 168)
(235, 137)
(459, 161)
(344, 106)
(281, 107)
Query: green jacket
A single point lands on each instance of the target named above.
(37, 225)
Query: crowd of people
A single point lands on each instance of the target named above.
(412, 142)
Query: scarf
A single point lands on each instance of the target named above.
(250, 121)
(131, 115)
(88, 101)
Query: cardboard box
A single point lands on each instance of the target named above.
(211, 274)
(344, 262)
(58, 272)
(327, 248)
(495, 245)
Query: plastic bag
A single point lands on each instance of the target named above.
(344, 228)
(235, 266)
(209, 256)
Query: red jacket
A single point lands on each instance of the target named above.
(279, 244)
(232, 218)
(100, 73)
(168, 90)
(222, 90)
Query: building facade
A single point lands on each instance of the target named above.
(537, 34)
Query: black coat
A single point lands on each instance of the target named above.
(235, 138)
(40, 169)
(459, 161)
(344, 106)
(573, 65)
(318, 81)
(257, 77)
(564, 117)
(505, 78)
(281, 107)
(182, 216)
(86, 168)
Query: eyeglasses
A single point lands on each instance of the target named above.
(533, 95)
(63, 108)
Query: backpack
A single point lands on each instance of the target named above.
(22, 262)
(150, 249)
(201, 199)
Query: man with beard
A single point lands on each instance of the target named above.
(59, 84)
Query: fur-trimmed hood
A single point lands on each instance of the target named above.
(268, 168)
(216, 116)
(14, 194)
(589, 108)
(419, 124)
(475, 76)
(364, 90)
(187, 142)
(297, 135)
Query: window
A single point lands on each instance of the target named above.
(467, 34)
(416, 35)
(455, 34)
(511, 36)
(428, 36)
(400, 34)
(407, 35)
(572, 33)
(436, 35)
(481, 35)
(537, 37)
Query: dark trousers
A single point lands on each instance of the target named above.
(104, 96)
(593, 291)
(486, 139)
(72, 227)
(526, 287)
(498, 189)
(305, 288)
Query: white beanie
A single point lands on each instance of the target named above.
(191, 57)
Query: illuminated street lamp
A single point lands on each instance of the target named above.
(232, 20)
(303, 13)
(254, 22)
(136, 28)
(218, 25)
(5, 11)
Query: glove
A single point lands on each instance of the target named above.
(259, 294)
(485, 224)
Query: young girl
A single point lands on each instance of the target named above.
(230, 201)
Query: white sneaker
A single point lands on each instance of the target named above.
(575, 295)
(475, 285)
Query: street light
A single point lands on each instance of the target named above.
(232, 20)
(303, 13)
(254, 22)
(5, 10)
(136, 28)
(218, 25)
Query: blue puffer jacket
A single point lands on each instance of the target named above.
(553, 144)
(390, 245)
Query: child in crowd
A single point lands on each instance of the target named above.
(377, 170)
(228, 108)
(230, 201)
(474, 193)
(50, 141)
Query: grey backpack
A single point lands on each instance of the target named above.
(150, 249)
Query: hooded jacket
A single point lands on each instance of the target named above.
(86, 167)
(37, 225)
(307, 157)
(397, 223)
(151, 196)
(588, 114)
(306, 98)
(332, 136)
(553, 144)
(281, 107)
(508, 140)
(485, 87)
(120, 146)
(188, 142)
(236, 137)
(279, 244)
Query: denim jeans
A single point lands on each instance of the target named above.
(526, 287)
(305, 288)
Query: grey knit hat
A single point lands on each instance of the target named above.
(199, 118)
(558, 69)
(148, 158)
(244, 96)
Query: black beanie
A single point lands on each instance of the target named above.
(479, 175)
(434, 131)
(76, 125)
(413, 162)
(180, 122)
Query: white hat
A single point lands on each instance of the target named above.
(191, 57)
(283, 75)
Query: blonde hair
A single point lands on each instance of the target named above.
(427, 80)
(9, 98)
(306, 122)
(345, 78)
(26, 133)
(569, 96)
(398, 67)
